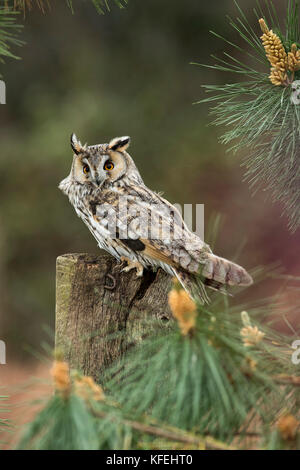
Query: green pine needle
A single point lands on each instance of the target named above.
(207, 385)
(64, 424)
(9, 31)
(202, 383)
(4, 422)
(259, 117)
(26, 5)
(102, 5)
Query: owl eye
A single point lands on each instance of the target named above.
(86, 169)
(109, 166)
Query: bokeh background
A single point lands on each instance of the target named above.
(127, 72)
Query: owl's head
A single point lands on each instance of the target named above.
(102, 164)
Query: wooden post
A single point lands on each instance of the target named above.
(95, 301)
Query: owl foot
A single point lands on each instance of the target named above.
(132, 265)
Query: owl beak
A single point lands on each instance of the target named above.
(98, 181)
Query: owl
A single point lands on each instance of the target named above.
(137, 225)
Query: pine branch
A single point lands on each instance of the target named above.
(228, 365)
(80, 416)
(24, 5)
(211, 380)
(101, 5)
(9, 31)
(207, 442)
(258, 112)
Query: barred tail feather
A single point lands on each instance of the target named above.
(225, 272)
(216, 274)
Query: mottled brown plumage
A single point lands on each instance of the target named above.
(136, 224)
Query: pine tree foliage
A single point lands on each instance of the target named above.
(102, 5)
(209, 381)
(64, 424)
(9, 31)
(5, 423)
(257, 110)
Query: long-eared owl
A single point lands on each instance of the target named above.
(137, 225)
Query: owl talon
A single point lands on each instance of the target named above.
(132, 265)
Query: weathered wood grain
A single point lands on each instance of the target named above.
(100, 310)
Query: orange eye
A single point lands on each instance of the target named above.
(109, 166)
(86, 169)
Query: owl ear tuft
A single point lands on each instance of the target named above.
(119, 143)
(76, 144)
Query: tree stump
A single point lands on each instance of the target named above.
(101, 311)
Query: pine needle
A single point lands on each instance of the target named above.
(9, 31)
(101, 5)
(260, 119)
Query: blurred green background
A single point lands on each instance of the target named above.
(127, 72)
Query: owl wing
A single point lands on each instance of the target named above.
(150, 226)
